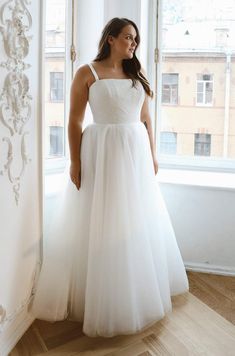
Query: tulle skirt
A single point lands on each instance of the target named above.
(111, 259)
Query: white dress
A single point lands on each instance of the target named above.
(111, 259)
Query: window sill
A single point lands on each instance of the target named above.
(201, 105)
(203, 179)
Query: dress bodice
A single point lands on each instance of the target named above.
(115, 100)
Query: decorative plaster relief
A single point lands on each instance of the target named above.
(2, 314)
(25, 303)
(15, 106)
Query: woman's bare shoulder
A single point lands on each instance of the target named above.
(83, 76)
(83, 71)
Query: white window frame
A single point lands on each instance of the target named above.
(57, 165)
(172, 103)
(198, 163)
(204, 82)
(53, 88)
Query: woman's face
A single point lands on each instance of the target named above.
(124, 45)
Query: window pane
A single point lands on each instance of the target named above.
(202, 144)
(57, 86)
(166, 94)
(54, 77)
(168, 144)
(199, 87)
(208, 93)
(56, 140)
(200, 98)
(197, 68)
(169, 88)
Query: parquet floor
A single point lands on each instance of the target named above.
(202, 323)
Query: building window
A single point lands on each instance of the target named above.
(202, 144)
(168, 142)
(204, 89)
(195, 70)
(56, 86)
(56, 140)
(170, 88)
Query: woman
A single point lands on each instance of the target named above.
(113, 261)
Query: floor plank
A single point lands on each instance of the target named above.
(202, 322)
(217, 291)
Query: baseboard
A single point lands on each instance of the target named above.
(13, 331)
(209, 268)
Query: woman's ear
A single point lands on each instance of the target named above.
(110, 39)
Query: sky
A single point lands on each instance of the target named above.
(201, 19)
(197, 10)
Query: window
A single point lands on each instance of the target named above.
(168, 144)
(56, 140)
(202, 144)
(204, 89)
(57, 70)
(195, 89)
(169, 88)
(57, 86)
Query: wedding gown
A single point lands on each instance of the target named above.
(111, 259)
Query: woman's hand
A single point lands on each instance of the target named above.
(75, 173)
(155, 165)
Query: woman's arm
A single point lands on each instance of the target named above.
(78, 102)
(146, 119)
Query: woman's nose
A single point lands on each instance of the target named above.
(134, 43)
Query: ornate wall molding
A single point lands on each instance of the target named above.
(2, 315)
(5, 318)
(15, 99)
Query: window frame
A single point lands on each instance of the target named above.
(204, 104)
(55, 165)
(198, 163)
(171, 103)
(56, 88)
(201, 144)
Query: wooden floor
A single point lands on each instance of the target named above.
(202, 323)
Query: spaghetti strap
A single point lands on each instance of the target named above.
(93, 71)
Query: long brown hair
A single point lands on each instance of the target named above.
(132, 66)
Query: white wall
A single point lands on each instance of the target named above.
(136, 11)
(203, 219)
(89, 20)
(19, 209)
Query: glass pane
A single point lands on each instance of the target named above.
(208, 93)
(56, 140)
(202, 144)
(198, 44)
(54, 77)
(206, 77)
(168, 142)
(166, 94)
(199, 87)
(174, 94)
(169, 88)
